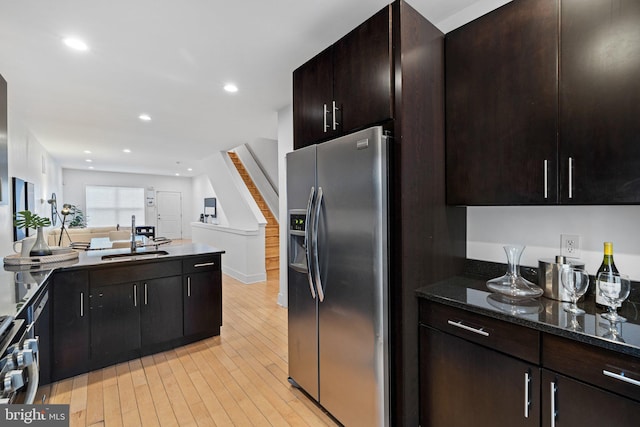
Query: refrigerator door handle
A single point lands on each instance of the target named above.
(307, 239)
(316, 263)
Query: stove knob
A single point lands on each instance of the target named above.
(24, 358)
(13, 381)
(7, 363)
(32, 344)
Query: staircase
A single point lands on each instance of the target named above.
(272, 230)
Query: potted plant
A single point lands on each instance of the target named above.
(28, 219)
(78, 219)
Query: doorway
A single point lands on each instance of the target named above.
(169, 210)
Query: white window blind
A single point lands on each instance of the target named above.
(108, 206)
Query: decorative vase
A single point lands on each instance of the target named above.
(512, 285)
(40, 247)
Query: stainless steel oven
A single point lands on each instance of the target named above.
(21, 358)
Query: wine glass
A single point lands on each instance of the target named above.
(615, 289)
(575, 282)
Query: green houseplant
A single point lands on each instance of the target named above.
(28, 219)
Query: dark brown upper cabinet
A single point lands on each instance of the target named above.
(501, 106)
(542, 105)
(347, 86)
(600, 101)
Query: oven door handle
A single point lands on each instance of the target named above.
(33, 371)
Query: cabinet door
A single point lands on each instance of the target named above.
(115, 323)
(362, 64)
(203, 303)
(600, 101)
(160, 310)
(570, 403)
(312, 94)
(465, 384)
(70, 324)
(502, 106)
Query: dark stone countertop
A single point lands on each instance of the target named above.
(470, 293)
(19, 284)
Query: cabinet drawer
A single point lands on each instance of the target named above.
(201, 263)
(133, 273)
(608, 369)
(511, 339)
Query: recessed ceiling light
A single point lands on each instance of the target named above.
(75, 44)
(144, 117)
(189, 169)
(126, 150)
(230, 87)
(177, 174)
(87, 151)
(88, 160)
(90, 167)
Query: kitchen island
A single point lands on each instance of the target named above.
(106, 311)
(486, 361)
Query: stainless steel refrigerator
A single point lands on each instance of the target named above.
(338, 275)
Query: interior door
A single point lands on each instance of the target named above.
(169, 205)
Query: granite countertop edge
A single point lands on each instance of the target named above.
(430, 292)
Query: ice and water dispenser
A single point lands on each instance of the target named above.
(297, 231)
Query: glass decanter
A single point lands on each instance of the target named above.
(512, 285)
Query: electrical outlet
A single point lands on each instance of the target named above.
(570, 245)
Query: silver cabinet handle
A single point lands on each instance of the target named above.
(81, 304)
(468, 328)
(546, 179)
(324, 115)
(189, 286)
(145, 294)
(527, 401)
(333, 114)
(204, 264)
(570, 177)
(621, 377)
(554, 390)
(135, 295)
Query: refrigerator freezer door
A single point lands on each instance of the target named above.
(302, 311)
(352, 244)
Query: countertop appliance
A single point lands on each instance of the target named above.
(338, 275)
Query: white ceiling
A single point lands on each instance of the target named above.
(170, 59)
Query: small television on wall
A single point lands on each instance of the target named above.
(210, 207)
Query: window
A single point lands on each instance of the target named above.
(108, 206)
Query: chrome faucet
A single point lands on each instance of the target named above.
(133, 233)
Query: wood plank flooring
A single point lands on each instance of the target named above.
(236, 379)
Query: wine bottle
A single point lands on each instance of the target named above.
(607, 266)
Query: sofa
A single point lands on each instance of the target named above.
(79, 234)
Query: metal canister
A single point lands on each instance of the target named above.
(549, 271)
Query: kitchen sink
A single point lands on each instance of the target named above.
(133, 256)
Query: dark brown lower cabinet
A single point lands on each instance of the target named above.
(202, 296)
(115, 323)
(70, 324)
(466, 384)
(106, 315)
(160, 310)
(472, 373)
(570, 403)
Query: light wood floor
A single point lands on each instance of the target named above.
(236, 379)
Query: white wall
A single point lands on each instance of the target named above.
(266, 152)
(539, 228)
(201, 189)
(285, 145)
(75, 181)
(28, 160)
